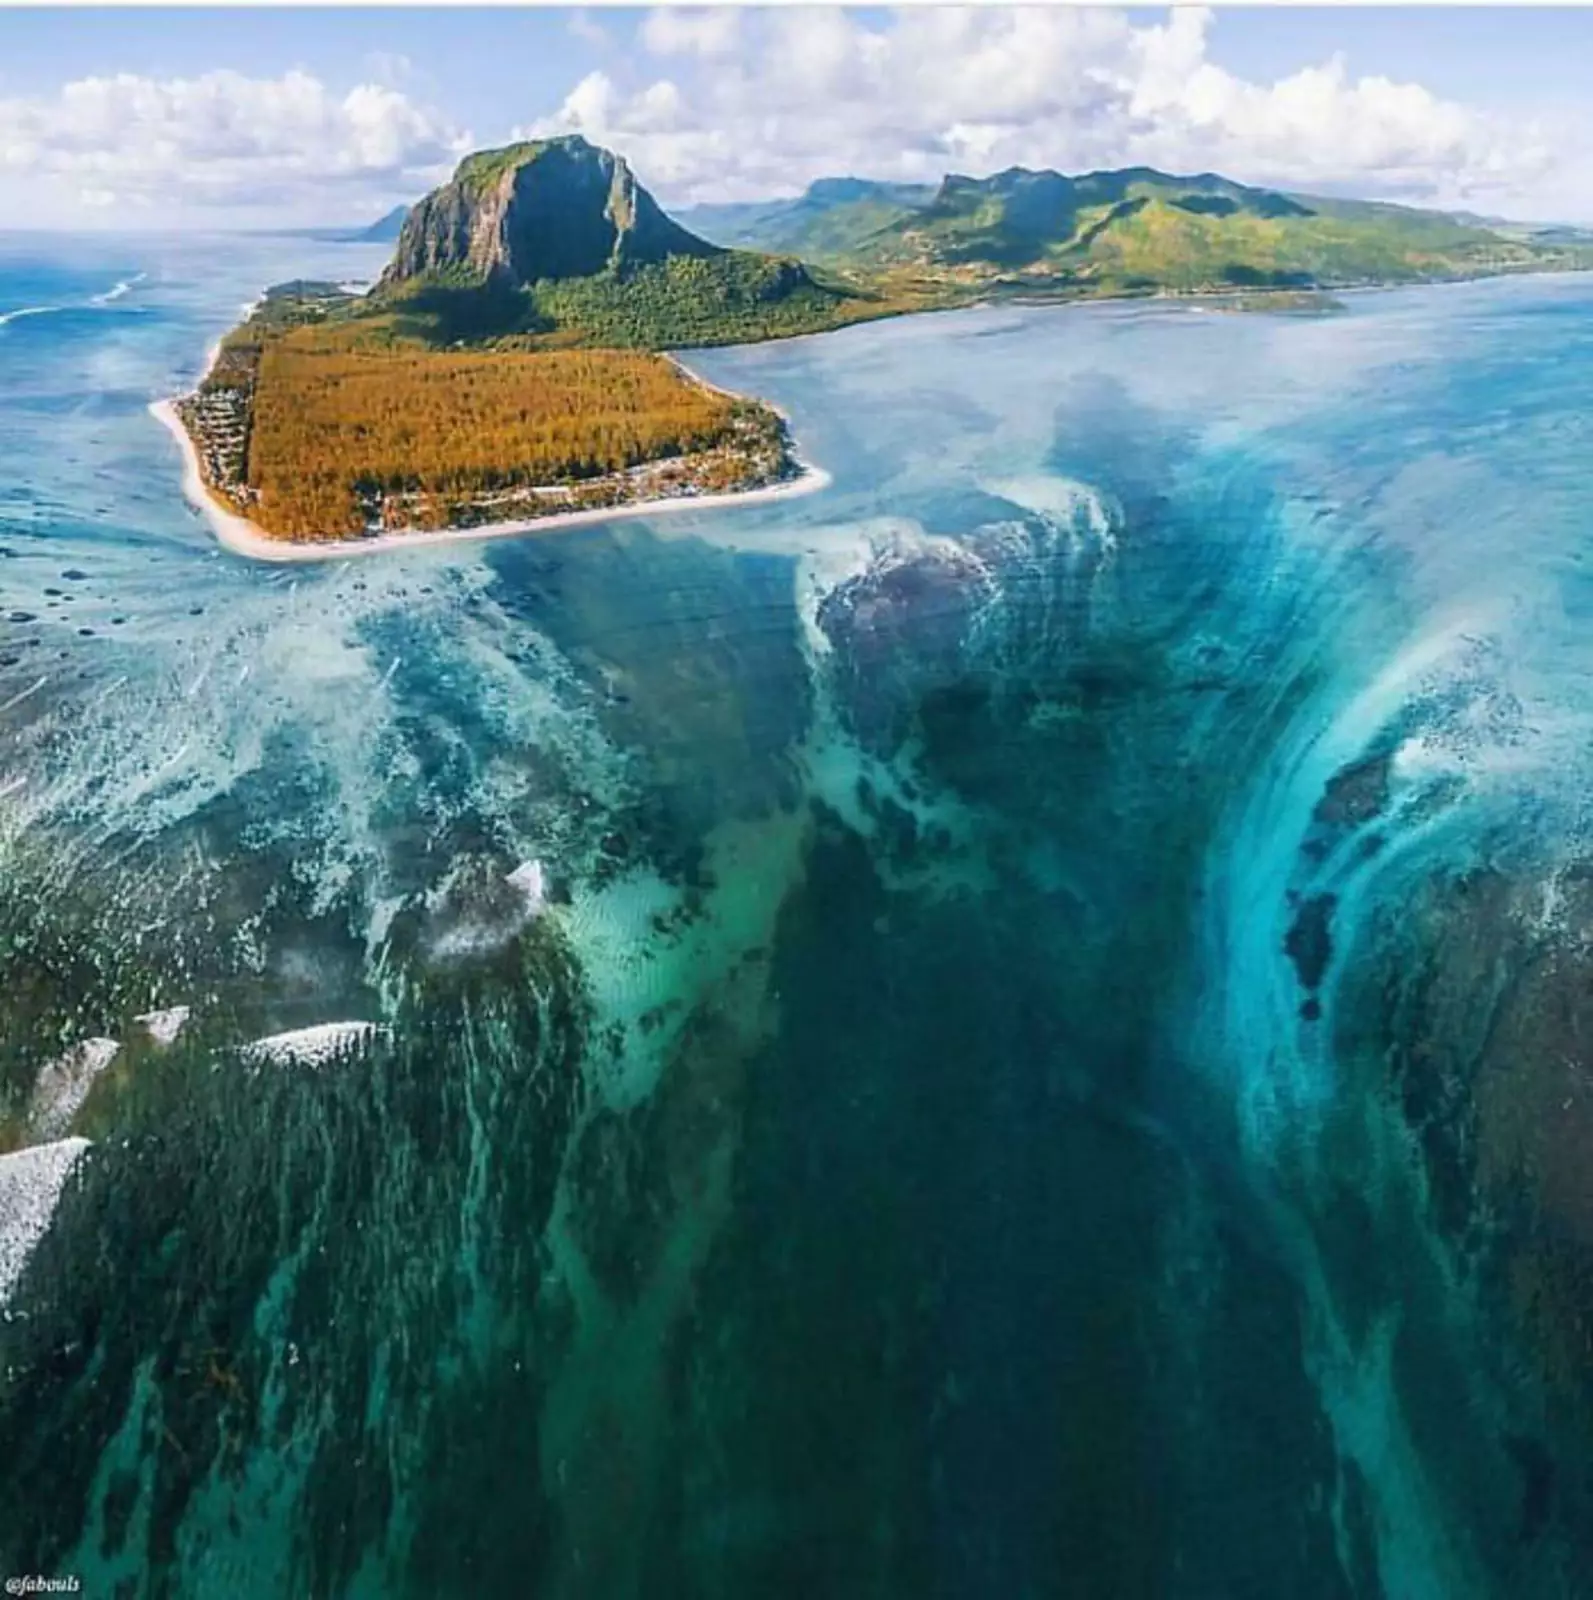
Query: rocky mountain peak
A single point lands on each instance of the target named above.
(546, 208)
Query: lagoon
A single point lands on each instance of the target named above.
(1046, 1058)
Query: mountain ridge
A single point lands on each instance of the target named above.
(509, 363)
(1128, 230)
(556, 238)
(798, 224)
(387, 227)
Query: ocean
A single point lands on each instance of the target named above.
(1018, 1026)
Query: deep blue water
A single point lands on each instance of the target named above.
(1055, 1059)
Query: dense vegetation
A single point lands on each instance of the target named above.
(727, 299)
(1178, 247)
(1134, 230)
(345, 437)
(731, 298)
(832, 221)
(504, 366)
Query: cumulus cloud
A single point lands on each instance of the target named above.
(709, 31)
(718, 104)
(223, 139)
(794, 94)
(390, 67)
(586, 28)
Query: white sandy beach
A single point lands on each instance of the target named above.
(244, 538)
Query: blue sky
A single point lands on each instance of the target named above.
(250, 117)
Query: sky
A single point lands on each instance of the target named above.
(263, 118)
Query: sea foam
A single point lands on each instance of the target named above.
(30, 1187)
(27, 311)
(117, 290)
(164, 1026)
(63, 1085)
(313, 1046)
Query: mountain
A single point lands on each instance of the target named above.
(1133, 229)
(1545, 232)
(555, 240)
(385, 230)
(1020, 218)
(832, 220)
(518, 330)
(556, 237)
(556, 208)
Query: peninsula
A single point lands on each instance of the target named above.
(507, 371)
(510, 370)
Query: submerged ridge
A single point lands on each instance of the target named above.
(1016, 1028)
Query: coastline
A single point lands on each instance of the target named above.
(237, 534)
(242, 537)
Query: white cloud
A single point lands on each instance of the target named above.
(1321, 125)
(591, 107)
(585, 27)
(710, 31)
(797, 93)
(390, 67)
(223, 139)
(715, 103)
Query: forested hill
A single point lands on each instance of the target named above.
(519, 328)
(556, 238)
(508, 365)
(555, 241)
(1125, 231)
(832, 220)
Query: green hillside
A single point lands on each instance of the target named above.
(553, 243)
(732, 298)
(1130, 230)
(555, 240)
(832, 221)
(509, 363)
(1168, 242)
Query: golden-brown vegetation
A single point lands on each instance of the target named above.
(343, 435)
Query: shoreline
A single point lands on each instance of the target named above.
(243, 538)
(236, 533)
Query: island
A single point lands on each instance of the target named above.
(516, 367)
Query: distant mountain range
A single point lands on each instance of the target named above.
(556, 237)
(539, 288)
(555, 240)
(1130, 230)
(386, 229)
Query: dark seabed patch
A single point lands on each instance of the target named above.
(1017, 1027)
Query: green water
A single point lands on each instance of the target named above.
(1035, 1070)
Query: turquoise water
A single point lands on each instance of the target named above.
(1050, 1058)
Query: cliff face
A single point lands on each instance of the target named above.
(556, 208)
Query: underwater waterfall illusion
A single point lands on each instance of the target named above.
(1022, 1026)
